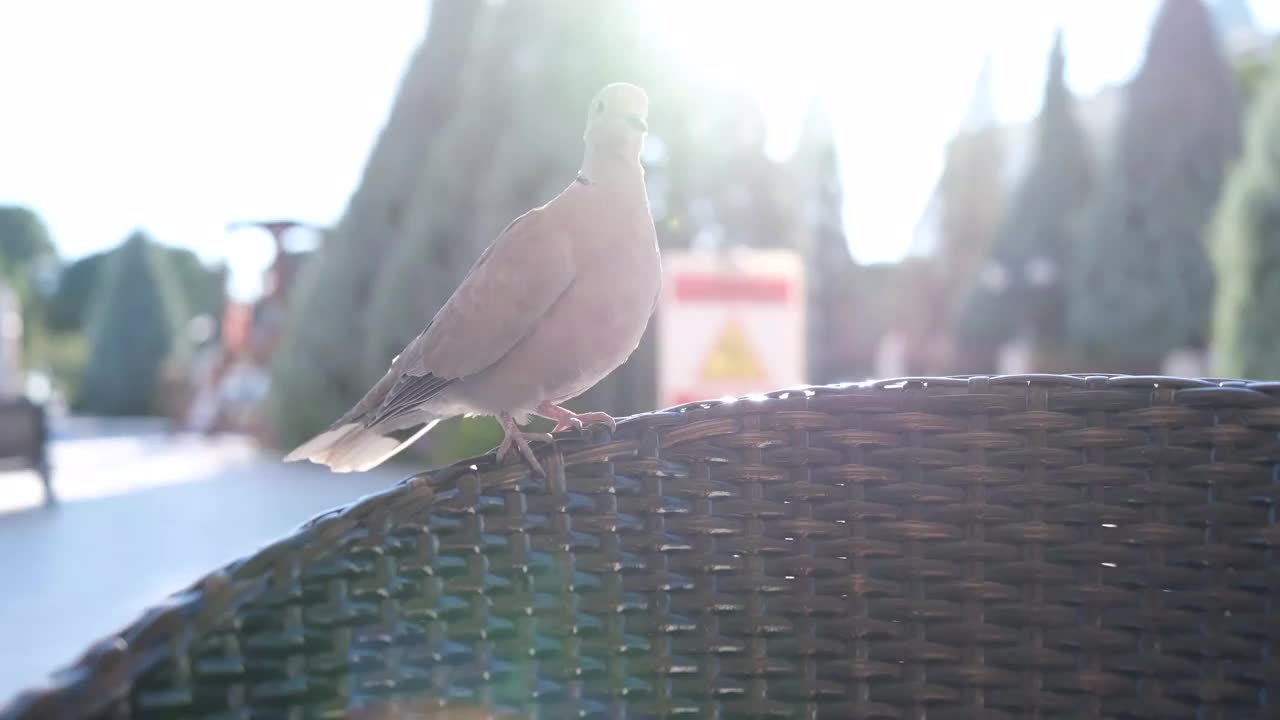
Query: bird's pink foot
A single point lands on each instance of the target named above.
(513, 436)
(567, 419)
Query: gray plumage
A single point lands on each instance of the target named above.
(557, 302)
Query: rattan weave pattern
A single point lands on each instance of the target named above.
(1032, 546)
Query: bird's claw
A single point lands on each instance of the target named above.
(571, 423)
(513, 436)
(597, 418)
(569, 420)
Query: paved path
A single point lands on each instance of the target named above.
(139, 517)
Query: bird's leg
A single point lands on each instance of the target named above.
(514, 436)
(567, 419)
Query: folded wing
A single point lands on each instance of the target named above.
(504, 297)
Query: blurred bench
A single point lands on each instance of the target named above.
(1037, 546)
(24, 439)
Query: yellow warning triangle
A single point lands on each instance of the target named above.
(731, 357)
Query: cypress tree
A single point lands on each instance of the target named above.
(972, 197)
(318, 369)
(1246, 249)
(1033, 244)
(1140, 284)
(833, 282)
(137, 313)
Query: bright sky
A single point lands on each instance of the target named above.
(182, 117)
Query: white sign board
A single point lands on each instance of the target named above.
(730, 323)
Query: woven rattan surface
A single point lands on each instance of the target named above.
(1034, 546)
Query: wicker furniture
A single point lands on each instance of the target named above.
(1036, 546)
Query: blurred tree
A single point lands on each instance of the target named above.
(971, 192)
(445, 228)
(63, 357)
(878, 292)
(1140, 285)
(319, 368)
(137, 312)
(24, 242)
(835, 335)
(203, 287)
(27, 256)
(69, 305)
(1245, 246)
(915, 298)
(1020, 291)
(740, 195)
(64, 351)
(1252, 71)
(62, 347)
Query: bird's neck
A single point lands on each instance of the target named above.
(610, 168)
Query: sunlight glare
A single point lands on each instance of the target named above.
(784, 57)
(759, 48)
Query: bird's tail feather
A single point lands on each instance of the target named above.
(353, 447)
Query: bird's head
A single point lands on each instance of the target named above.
(617, 121)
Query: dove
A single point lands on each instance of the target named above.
(555, 303)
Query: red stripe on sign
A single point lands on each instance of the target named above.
(705, 288)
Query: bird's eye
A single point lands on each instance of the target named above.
(637, 124)
(599, 107)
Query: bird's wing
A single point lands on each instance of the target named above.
(407, 395)
(508, 290)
